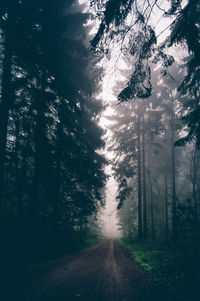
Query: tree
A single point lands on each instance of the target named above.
(53, 170)
(156, 172)
(138, 39)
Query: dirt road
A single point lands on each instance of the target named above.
(100, 273)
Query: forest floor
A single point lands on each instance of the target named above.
(105, 271)
(23, 261)
(174, 270)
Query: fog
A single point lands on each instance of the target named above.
(108, 217)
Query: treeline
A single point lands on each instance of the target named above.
(158, 110)
(158, 187)
(51, 173)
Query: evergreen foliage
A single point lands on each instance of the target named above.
(52, 173)
(138, 39)
(156, 197)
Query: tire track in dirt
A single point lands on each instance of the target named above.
(103, 272)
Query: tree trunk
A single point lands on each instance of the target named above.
(144, 182)
(140, 236)
(166, 209)
(18, 174)
(194, 184)
(40, 156)
(57, 195)
(153, 231)
(173, 168)
(7, 98)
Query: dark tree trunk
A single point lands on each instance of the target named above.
(57, 191)
(173, 168)
(40, 156)
(153, 231)
(144, 182)
(7, 98)
(166, 209)
(140, 236)
(18, 173)
(194, 184)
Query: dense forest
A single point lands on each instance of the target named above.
(54, 58)
(155, 136)
(51, 172)
(158, 191)
(155, 126)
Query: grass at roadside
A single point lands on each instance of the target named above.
(174, 273)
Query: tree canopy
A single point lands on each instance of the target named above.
(131, 24)
(51, 170)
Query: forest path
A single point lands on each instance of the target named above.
(99, 273)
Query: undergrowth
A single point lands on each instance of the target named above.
(174, 272)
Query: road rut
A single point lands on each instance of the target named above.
(100, 273)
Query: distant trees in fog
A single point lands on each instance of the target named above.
(159, 108)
